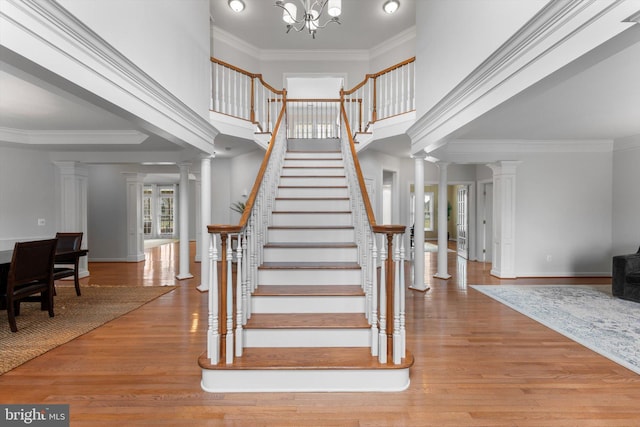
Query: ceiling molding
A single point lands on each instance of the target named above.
(247, 48)
(72, 137)
(49, 35)
(529, 146)
(629, 143)
(556, 35)
(289, 54)
(395, 42)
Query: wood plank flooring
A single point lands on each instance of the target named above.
(477, 363)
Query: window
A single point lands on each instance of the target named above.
(158, 210)
(429, 201)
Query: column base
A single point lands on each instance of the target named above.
(184, 276)
(442, 276)
(425, 289)
(202, 288)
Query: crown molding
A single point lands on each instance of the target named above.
(393, 43)
(72, 137)
(49, 35)
(529, 146)
(314, 55)
(628, 143)
(237, 43)
(560, 32)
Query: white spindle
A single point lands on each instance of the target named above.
(374, 297)
(241, 298)
(229, 304)
(397, 346)
(403, 331)
(382, 334)
(213, 333)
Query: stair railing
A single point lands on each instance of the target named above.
(385, 292)
(313, 118)
(229, 301)
(244, 95)
(382, 95)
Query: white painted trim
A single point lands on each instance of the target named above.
(72, 137)
(47, 34)
(237, 43)
(624, 144)
(529, 146)
(559, 33)
(304, 380)
(393, 43)
(334, 55)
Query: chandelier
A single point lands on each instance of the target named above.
(313, 11)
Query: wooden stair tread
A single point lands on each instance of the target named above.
(312, 186)
(308, 290)
(311, 245)
(309, 265)
(306, 358)
(310, 212)
(313, 198)
(307, 321)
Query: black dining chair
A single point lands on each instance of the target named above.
(66, 265)
(30, 273)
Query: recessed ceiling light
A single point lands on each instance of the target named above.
(236, 5)
(391, 6)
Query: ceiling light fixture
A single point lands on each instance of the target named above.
(391, 6)
(236, 5)
(312, 11)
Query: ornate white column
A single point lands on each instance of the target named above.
(205, 220)
(135, 230)
(442, 222)
(418, 226)
(184, 222)
(73, 178)
(504, 219)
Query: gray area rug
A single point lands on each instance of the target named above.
(588, 314)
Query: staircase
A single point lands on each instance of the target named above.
(308, 330)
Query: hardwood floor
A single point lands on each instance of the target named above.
(477, 363)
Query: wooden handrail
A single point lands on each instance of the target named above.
(233, 67)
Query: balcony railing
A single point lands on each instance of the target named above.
(244, 95)
(382, 95)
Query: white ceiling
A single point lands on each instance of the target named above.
(364, 25)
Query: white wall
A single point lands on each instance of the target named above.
(563, 210)
(626, 196)
(168, 39)
(27, 193)
(455, 36)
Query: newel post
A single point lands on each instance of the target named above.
(391, 285)
(225, 290)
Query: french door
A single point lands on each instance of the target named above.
(463, 221)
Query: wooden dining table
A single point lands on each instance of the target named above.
(5, 264)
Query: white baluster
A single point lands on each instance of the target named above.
(382, 334)
(216, 78)
(403, 331)
(374, 297)
(397, 347)
(213, 333)
(241, 297)
(229, 303)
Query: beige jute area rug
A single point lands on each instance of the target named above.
(74, 316)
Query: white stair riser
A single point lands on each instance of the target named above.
(312, 155)
(304, 380)
(311, 235)
(309, 276)
(308, 304)
(311, 219)
(310, 254)
(314, 172)
(312, 163)
(312, 181)
(291, 204)
(343, 337)
(307, 191)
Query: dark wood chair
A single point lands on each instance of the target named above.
(66, 265)
(30, 273)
